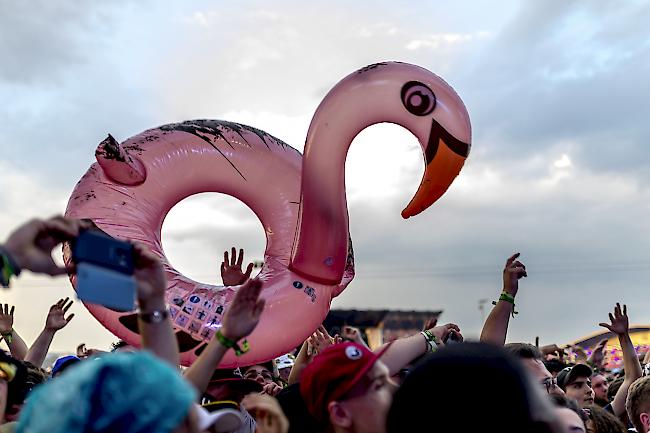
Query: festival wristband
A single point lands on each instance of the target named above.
(231, 344)
(508, 298)
(8, 336)
(7, 371)
(431, 340)
(8, 268)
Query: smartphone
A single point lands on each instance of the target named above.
(98, 248)
(452, 338)
(104, 270)
(106, 287)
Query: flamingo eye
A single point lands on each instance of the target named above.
(418, 98)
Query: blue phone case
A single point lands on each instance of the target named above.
(106, 287)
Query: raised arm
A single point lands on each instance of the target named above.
(16, 344)
(154, 323)
(54, 322)
(239, 321)
(404, 350)
(300, 363)
(620, 326)
(496, 325)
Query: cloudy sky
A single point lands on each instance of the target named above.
(559, 168)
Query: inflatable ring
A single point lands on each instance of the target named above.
(300, 201)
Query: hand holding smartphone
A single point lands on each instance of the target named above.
(105, 268)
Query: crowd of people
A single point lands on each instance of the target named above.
(331, 383)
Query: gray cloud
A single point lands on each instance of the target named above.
(42, 39)
(568, 73)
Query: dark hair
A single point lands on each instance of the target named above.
(293, 406)
(118, 345)
(554, 365)
(561, 401)
(614, 387)
(604, 422)
(16, 388)
(446, 375)
(523, 351)
(19, 389)
(268, 365)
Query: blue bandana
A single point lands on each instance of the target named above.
(122, 392)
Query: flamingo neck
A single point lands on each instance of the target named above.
(320, 250)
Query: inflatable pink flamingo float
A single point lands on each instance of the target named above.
(300, 200)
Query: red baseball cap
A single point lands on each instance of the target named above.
(333, 373)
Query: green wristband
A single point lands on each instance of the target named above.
(508, 298)
(8, 336)
(231, 344)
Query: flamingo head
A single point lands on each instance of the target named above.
(435, 114)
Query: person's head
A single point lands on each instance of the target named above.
(601, 421)
(14, 372)
(638, 404)
(480, 387)
(122, 346)
(554, 366)
(63, 363)
(600, 386)
(614, 386)
(19, 391)
(126, 392)
(294, 408)
(226, 384)
(576, 383)
(569, 414)
(531, 359)
(260, 373)
(348, 389)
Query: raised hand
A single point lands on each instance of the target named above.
(579, 354)
(6, 318)
(83, 352)
(231, 273)
(149, 275)
(598, 354)
(443, 331)
(321, 339)
(31, 244)
(619, 321)
(244, 313)
(56, 319)
(353, 334)
(271, 389)
(512, 273)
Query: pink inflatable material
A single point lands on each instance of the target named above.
(299, 200)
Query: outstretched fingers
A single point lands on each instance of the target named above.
(240, 258)
(67, 306)
(605, 325)
(249, 269)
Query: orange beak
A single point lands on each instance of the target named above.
(445, 156)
